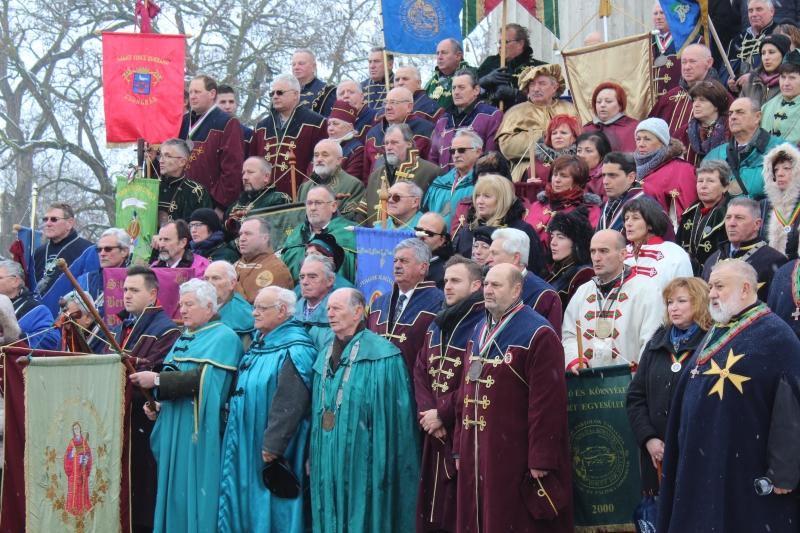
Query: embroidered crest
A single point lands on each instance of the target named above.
(264, 279)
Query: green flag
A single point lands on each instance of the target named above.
(283, 219)
(605, 462)
(474, 11)
(137, 213)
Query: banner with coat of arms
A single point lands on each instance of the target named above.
(74, 443)
(418, 26)
(605, 459)
(142, 86)
(375, 250)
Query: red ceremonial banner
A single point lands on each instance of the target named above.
(143, 86)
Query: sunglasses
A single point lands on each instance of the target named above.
(280, 93)
(459, 150)
(106, 249)
(428, 232)
(53, 219)
(397, 197)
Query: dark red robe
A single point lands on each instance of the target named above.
(511, 419)
(408, 333)
(353, 157)
(437, 378)
(217, 155)
(302, 132)
(621, 133)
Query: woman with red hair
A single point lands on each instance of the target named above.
(608, 103)
(559, 139)
(565, 192)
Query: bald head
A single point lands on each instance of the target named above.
(502, 288)
(696, 61)
(399, 104)
(593, 38)
(608, 254)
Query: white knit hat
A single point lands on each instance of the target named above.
(657, 127)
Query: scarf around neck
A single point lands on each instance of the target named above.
(679, 338)
(597, 120)
(547, 154)
(647, 162)
(203, 247)
(572, 196)
(700, 145)
(770, 80)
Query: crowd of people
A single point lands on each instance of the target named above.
(287, 401)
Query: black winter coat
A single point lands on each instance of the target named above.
(650, 396)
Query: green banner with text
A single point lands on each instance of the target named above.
(137, 213)
(605, 463)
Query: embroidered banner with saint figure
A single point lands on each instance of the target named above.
(73, 443)
(605, 463)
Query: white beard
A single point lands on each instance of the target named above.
(724, 311)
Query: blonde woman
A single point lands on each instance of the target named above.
(495, 204)
(661, 365)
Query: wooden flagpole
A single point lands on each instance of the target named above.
(580, 344)
(62, 264)
(503, 41)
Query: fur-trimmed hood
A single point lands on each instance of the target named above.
(675, 149)
(588, 198)
(782, 201)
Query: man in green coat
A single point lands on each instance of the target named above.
(259, 193)
(322, 216)
(449, 59)
(364, 434)
(746, 164)
(234, 311)
(328, 171)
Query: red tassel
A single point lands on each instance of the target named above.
(148, 11)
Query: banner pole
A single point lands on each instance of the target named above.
(293, 174)
(385, 61)
(503, 41)
(728, 66)
(34, 200)
(580, 344)
(384, 196)
(62, 264)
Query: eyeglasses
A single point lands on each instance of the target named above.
(167, 156)
(397, 102)
(508, 41)
(263, 308)
(54, 219)
(317, 204)
(397, 197)
(459, 150)
(429, 233)
(196, 225)
(281, 93)
(106, 249)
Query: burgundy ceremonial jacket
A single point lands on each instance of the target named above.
(621, 133)
(301, 133)
(217, 155)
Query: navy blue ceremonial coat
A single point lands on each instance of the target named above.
(781, 298)
(408, 333)
(540, 295)
(318, 96)
(717, 434)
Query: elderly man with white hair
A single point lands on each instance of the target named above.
(234, 311)
(34, 317)
(403, 315)
(190, 388)
(113, 249)
(512, 246)
(328, 171)
(268, 420)
(403, 206)
(288, 127)
(351, 92)
(317, 278)
(425, 107)
(745, 383)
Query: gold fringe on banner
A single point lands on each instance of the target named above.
(613, 528)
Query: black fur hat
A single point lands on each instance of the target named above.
(576, 227)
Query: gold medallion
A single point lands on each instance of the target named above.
(264, 279)
(328, 420)
(603, 329)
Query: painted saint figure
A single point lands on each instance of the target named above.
(78, 466)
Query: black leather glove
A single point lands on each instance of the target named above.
(495, 79)
(508, 95)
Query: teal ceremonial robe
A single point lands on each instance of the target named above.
(317, 324)
(187, 437)
(365, 471)
(245, 504)
(237, 314)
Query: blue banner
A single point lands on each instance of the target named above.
(374, 275)
(686, 19)
(24, 235)
(417, 26)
